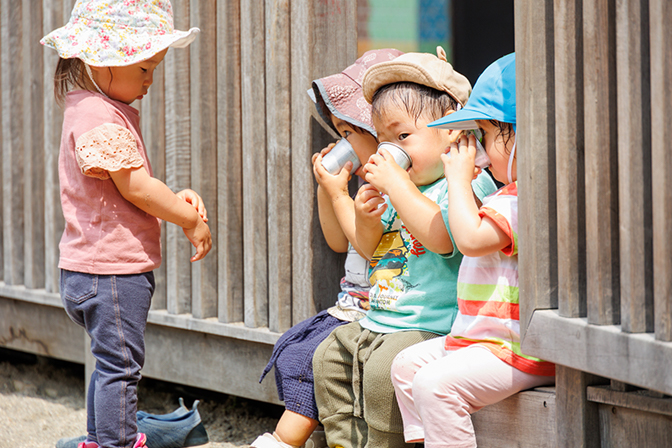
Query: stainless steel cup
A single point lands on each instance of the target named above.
(400, 156)
(336, 159)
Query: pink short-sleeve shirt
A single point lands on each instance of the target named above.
(104, 233)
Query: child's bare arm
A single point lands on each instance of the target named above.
(335, 206)
(369, 207)
(421, 216)
(330, 189)
(154, 197)
(474, 235)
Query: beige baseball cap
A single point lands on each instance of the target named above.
(420, 68)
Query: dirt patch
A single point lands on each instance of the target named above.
(42, 400)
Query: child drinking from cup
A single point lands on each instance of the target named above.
(340, 102)
(413, 261)
(440, 382)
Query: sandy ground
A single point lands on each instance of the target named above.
(42, 400)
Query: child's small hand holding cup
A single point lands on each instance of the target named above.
(464, 159)
(334, 185)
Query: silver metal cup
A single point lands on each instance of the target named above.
(400, 156)
(339, 155)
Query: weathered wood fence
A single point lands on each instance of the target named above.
(594, 90)
(228, 117)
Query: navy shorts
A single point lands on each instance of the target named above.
(293, 361)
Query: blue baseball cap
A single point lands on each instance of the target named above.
(493, 98)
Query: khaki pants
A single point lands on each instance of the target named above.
(353, 388)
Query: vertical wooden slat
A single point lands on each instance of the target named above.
(229, 164)
(153, 123)
(569, 158)
(535, 138)
(634, 163)
(576, 417)
(253, 88)
(315, 267)
(660, 13)
(12, 141)
(33, 172)
(54, 16)
(178, 163)
(203, 144)
(601, 156)
(279, 170)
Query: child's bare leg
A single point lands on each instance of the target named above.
(294, 429)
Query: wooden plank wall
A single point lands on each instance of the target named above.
(228, 117)
(594, 95)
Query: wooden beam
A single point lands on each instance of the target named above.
(569, 156)
(39, 329)
(576, 417)
(33, 146)
(524, 419)
(535, 108)
(12, 55)
(279, 169)
(203, 143)
(232, 367)
(660, 12)
(53, 17)
(634, 165)
(230, 256)
(326, 25)
(178, 163)
(636, 359)
(601, 155)
(255, 214)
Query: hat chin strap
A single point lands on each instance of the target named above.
(511, 157)
(88, 72)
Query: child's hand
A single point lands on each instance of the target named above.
(191, 197)
(369, 204)
(458, 162)
(383, 172)
(200, 237)
(334, 185)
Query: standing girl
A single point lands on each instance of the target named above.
(440, 382)
(111, 203)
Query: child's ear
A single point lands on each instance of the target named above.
(448, 112)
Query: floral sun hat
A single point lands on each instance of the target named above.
(113, 33)
(341, 94)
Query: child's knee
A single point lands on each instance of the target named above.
(403, 370)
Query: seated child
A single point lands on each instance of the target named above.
(413, 262)
(339, 100)
(439, 383)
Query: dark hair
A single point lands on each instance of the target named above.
(505, 130)
(416, 99)
(70, 73)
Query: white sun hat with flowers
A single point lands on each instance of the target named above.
(114, 33)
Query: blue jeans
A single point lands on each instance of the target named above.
(113, 310)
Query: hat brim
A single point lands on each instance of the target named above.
(462, 120)
(347, 110)
(70, 42)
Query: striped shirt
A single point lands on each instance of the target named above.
(487, 293)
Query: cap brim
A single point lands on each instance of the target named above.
(462, 120)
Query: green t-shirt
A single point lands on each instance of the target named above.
(412, 287)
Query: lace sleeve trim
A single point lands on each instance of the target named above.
(108, 147)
